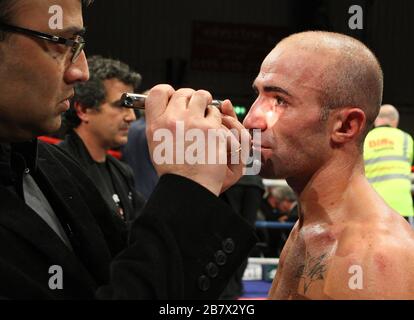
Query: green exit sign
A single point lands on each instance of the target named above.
(240, 110)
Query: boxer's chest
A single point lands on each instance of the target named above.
(305, 266)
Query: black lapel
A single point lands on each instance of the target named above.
(17, 217)
(70, 189)
(111, 225)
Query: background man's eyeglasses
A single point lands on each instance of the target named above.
(77, 44)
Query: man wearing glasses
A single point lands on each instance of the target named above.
(186, 243)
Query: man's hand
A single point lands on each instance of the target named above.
(239, 152)
(166, 110)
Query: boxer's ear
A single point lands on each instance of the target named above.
(348, 125)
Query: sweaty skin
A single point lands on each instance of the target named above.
(367, 257)
(347, 244)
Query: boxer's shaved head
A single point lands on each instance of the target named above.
(352, 76)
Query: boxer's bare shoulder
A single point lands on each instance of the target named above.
(373, 261)
(356, 260)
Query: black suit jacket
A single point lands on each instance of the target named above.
(185, 244)
(121, 174)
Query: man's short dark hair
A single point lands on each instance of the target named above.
(91, 94)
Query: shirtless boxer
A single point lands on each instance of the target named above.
(318, 95)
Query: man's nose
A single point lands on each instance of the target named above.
(77, 71)
(130, 115)
(255, 119)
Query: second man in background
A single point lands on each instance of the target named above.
(96, 123)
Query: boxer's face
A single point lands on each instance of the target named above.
(287, 110)
(37, 76)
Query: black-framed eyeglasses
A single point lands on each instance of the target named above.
(77, 44)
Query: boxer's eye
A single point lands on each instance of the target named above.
(279, 100)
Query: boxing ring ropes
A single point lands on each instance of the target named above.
(261, 271)
(259, 265)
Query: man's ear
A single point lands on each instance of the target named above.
(82, 112)
(349, 125)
